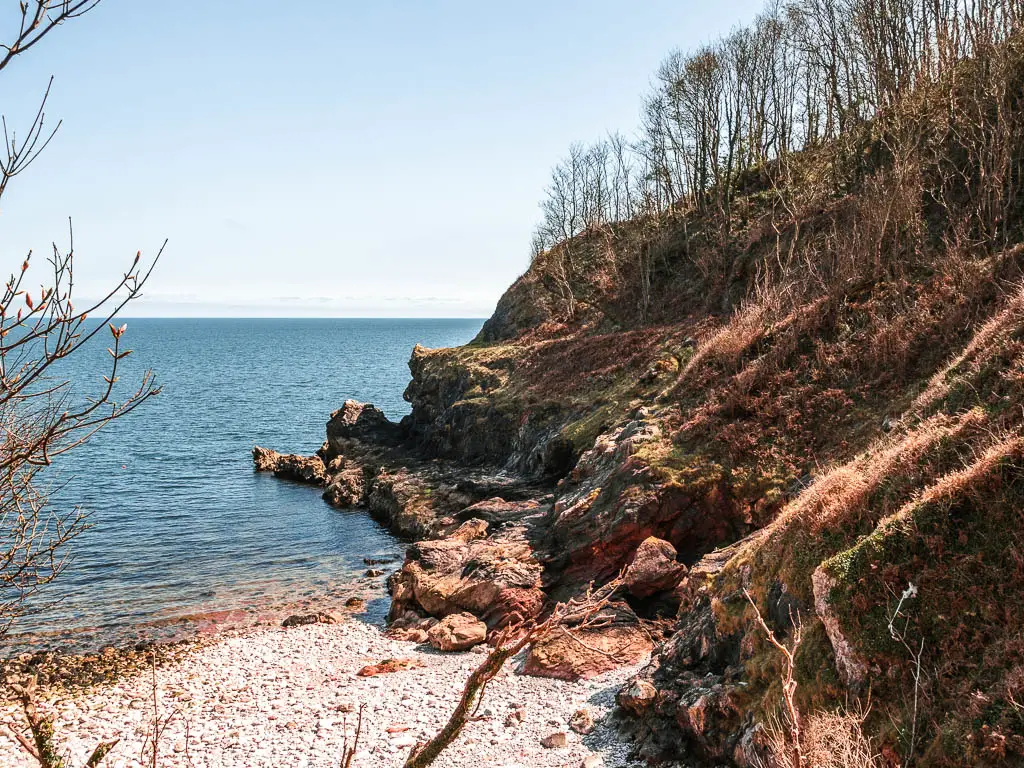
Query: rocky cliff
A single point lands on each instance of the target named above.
(814, 421)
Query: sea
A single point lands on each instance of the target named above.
(184, 536)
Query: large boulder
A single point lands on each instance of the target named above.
(611, 639)
(496, 578)
(654, 568)
(357, 422)
(290, 466)
(457, 632)
(347, 487)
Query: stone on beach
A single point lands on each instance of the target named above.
(388, 666)
(300, 620)
(265, 697)
(556, 740)
(457, 632)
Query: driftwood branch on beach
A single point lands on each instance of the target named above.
(507, 644)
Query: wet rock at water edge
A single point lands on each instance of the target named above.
(290, 466)
(362, 423)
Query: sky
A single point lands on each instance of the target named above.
(322, 158)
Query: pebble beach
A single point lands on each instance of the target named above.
(285, 697)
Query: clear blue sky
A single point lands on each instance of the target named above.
(324, 158)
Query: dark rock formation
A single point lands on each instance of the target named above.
(357, 422)
(290, 466)
(450, 419)
(686, 703)
(309, 618)
(654, 568)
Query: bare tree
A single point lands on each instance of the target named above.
(40, 743)
(802, 73)
(41, 414)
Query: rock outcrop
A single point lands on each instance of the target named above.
(496, 578)
(612, 638)
(290, 466)
(654, 568)
(822, 435)
(360, 424)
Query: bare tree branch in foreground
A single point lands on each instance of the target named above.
(509, 642)
(41, 746)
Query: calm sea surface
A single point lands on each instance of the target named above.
(184, 532)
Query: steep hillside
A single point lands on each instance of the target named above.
(791, 414)
(819, 403)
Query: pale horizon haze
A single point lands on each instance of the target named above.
(352, 160)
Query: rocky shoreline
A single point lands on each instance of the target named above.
(486, 542)
(285, 696)
(494, 546)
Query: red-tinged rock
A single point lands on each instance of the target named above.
(637, 696)
(556, 740)
(407, 635)
(471, 530)
(654, 568)
(388, 666)
(574, 653)
(457, 632)
(501, 586)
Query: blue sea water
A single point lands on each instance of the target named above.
(181, 525)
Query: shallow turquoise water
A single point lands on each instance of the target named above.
(181, 523)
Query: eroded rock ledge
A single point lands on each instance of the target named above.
(496, 545)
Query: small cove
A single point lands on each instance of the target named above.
(185, 536)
